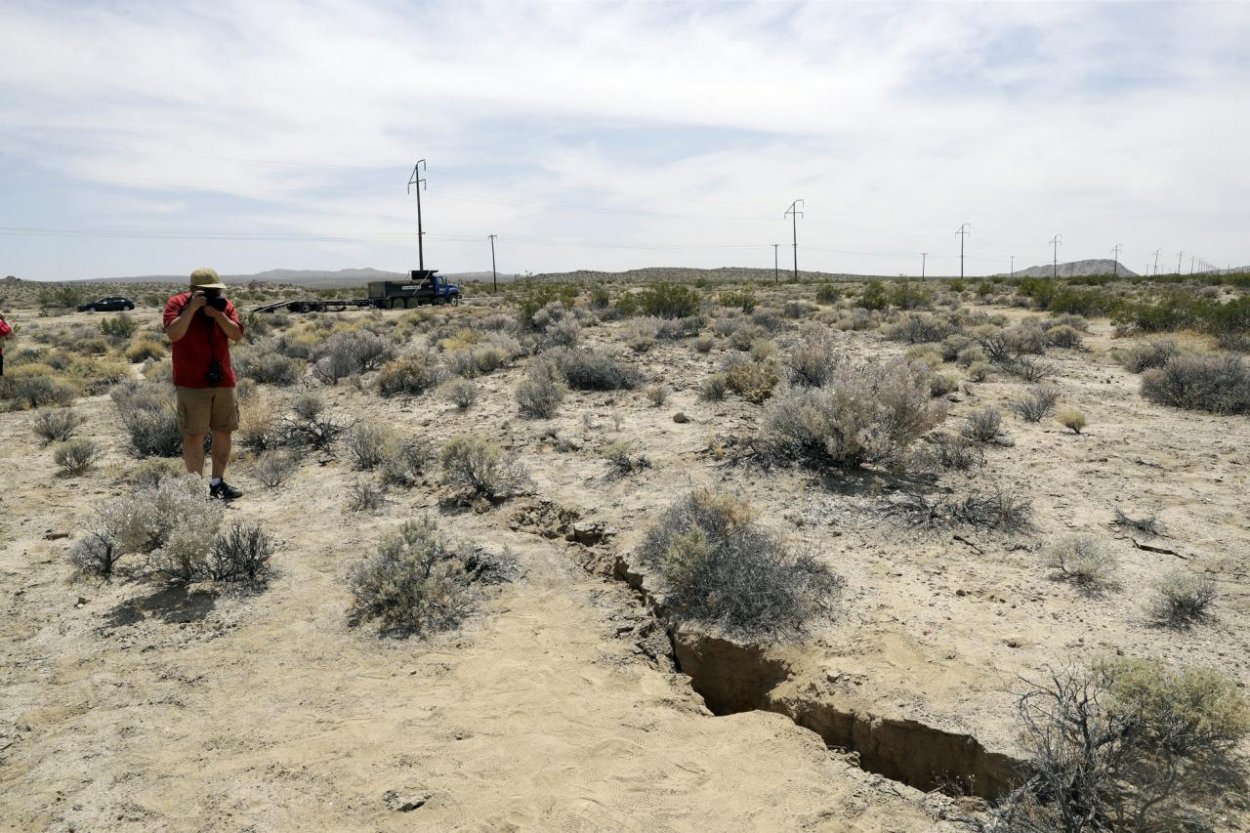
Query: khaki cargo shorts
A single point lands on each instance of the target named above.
(201, 410)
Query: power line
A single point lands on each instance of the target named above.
(794, 213)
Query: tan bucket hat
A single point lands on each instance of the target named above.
(205, 278)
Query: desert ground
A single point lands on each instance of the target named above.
(572, 697)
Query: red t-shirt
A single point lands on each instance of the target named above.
(203, 342)
(5, 329)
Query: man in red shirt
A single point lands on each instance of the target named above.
(201, 323)
(5, 332)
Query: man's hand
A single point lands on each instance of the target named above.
(198, 299)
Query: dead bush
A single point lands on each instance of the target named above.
(1148, 525)
(475, 467)
(721, 568)
(866, 413)
(95, 555)
(419, 582)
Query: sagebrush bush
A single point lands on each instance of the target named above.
(240, 554)
(1037, 405)
(173, 523)
(265, 364)
(1218, 384)
(349, 354)
(1083, 560)
(76, 456)
(476, 467)
(1072, 419)
(365, 496)
(419, 582)
(35, 391)
(462, 393)
(810, 363)
(369, 444)
(273, 470)
(589, 370)
(920, 328)
(148, 412)
(56, 426)
(623, 458)
(96, 554)
(540, 393)
(983, 426)
(1142, 357)
(752, 380)
(954, 453)
(719, 567)
(1181, 598)
(406, 462)
(866, 413)
(410, 375)
(714, 388)
(311, 425)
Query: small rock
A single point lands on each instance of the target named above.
(589, 533)
(81, 601)
(680, 417)
(407, 800)
(55, 536)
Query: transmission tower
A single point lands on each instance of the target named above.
(1054, 242)
(795, 213)
(964, 231)
(417, 181)
(1157, 252)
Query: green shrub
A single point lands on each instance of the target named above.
(907, 295)
(873, 297)
(1141, 357)
(828, 293)
(121, 328)
(720, 568)
(667, 300)
(743, 299)
(35, 392)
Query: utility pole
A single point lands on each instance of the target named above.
(1157, 252)
(416, 180)
(776, 269)
(1013, 266)
(964, 231)
(794, 213)
(1179, 255)
(1191, 264)
(1054, 242)
(1115, 253)
(923, 257)
(494, 276)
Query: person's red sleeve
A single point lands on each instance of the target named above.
(173, 307)
(233, 315)
(5, 329)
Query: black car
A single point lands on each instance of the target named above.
(113, 303)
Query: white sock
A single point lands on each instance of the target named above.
(214, 481)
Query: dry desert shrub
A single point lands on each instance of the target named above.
(95, 555)
(752, 380)
(1082, 560)
(1072, 419)
(173, 523)
(273, 470)
(594, 371)
(475, 467)
(21, 390)
(147, 411)
(657, 395)
(866, 413)
(542, 390)
(462, 393)
(56, 426)
(950, 452)
(264, 363)
(721, 568)
(120, 328)
(1181, 599)
(1142, 357)
(1148, 525)
(1132, 746)
(714, 388)
(1062, 335)
(1217, 384)
(258, 426)
(369, 444)
(410, 375)
(419, 582)
(623, 458)
(145, 347)
(921, 328)
(348, 354)
(311, 425)
(983, 426)
(406, 462)
(1037, 405)
(241, 554)
(366, 496)
(76, 456)
(812, 360)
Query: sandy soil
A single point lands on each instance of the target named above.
(129, 707)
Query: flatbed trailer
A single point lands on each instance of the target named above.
(424, 287)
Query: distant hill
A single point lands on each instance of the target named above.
(1076, 269)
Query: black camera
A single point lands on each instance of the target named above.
(218, 303)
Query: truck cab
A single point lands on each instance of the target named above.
(426, 286)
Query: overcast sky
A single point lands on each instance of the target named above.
(154, 137)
